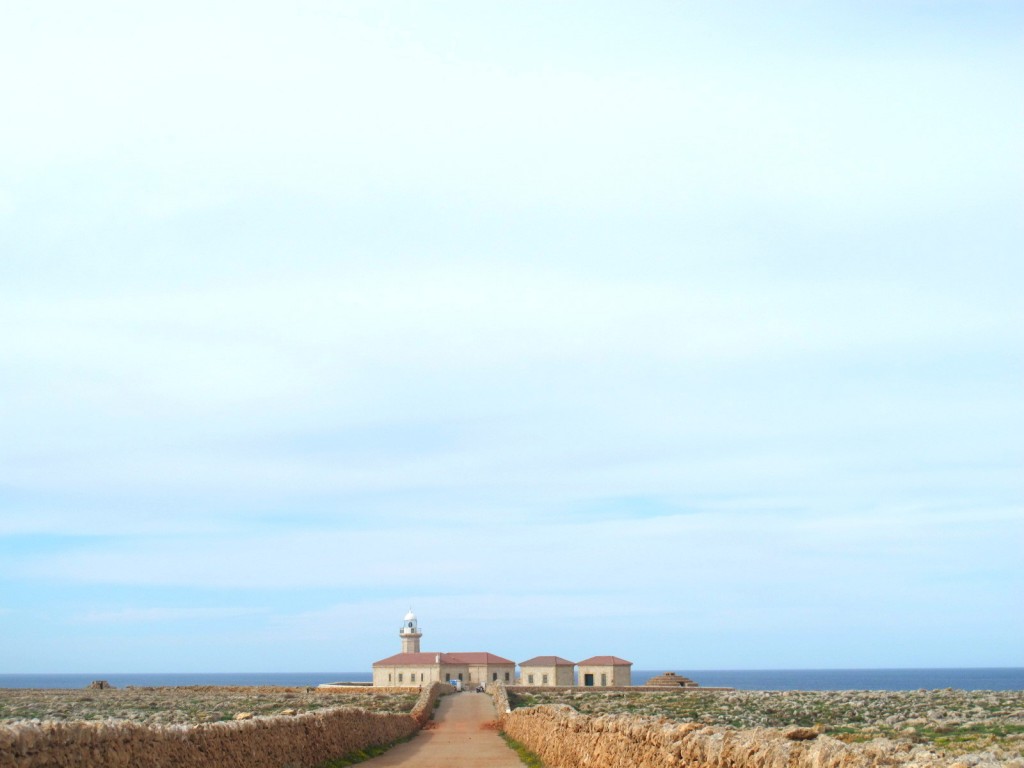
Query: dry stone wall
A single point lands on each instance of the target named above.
(300, 741)
(499, 693)
(563, 738)
(424, 707)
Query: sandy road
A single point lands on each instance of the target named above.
(463, 736)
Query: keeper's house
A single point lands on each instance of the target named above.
(546, 670)
(412, 667)
(605, 670)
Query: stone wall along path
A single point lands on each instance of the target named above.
(464, 734)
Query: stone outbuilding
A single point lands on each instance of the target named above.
(672, 680)
(546, 670)
(605, 671)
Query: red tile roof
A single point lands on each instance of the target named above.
(477, 657)
(426, 659)
(605, 661)
(546, 661)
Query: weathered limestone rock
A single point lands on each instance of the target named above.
(802, 734)
(564, 738)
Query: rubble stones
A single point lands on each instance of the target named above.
(186, 705)
(978, 728)
(673, 680)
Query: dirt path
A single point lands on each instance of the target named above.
(463, 736)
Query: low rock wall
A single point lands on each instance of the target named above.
(424, 707)
(342, 690)
(299, 741)
(563, 738)
(655, 689)
(499, 693)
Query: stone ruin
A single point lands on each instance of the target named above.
(672, 680)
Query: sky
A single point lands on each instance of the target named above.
(686, 332)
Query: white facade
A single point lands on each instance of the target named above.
(413, 667)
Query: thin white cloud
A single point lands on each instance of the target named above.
(569, 553)
(139, 616)
(732, 302)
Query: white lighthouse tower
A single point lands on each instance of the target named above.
(410, 634)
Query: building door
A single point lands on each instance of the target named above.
(588, 679)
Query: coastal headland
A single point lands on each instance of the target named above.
(949, 728)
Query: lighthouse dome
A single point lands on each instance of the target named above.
(410, 616)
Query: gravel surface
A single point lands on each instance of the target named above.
(955, 721)
(186, 704)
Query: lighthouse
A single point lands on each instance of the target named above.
(410, 634)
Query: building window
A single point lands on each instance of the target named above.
(447, 677)
(460, 675)
(506, 677)
(389, 677)
(399, 677)
(494, 676)
(544, 679)
(529, 679)
(604, 679)
(421, 677)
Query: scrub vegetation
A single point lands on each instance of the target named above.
(187, 705)
(955, 721)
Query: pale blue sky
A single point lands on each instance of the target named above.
(685, 332)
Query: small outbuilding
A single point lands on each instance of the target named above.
(546, 670)
(672, 680)
(605, 671)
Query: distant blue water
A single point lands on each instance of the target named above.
(990, 679)
(121, 680)
(969, 679)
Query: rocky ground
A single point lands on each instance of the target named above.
(986, 723)
(186, 704)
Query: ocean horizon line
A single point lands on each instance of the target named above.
(645, 669)
(861, 678)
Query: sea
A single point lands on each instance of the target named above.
(969, 678)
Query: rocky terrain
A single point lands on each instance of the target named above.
(186, 705)
(986, 724)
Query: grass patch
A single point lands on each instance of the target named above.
(362, 755)
(528, 758)
(521, 700)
